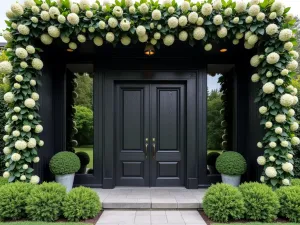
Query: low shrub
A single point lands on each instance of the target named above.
(295, 182)
(223, 202)
(211, 158)
(13, 200)
(289, 198)
(3, 181)
(81, 203)
(45, 202)
(231, 163)
(83, 157)
(64, 163)
(261, 202)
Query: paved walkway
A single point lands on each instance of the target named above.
(151, 198)
(157, 217)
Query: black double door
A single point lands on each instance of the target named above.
(150, 133)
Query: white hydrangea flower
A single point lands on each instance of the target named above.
(53, 31)
(285, 35)
(171, 10)
(36, 159)
(278, 130)
(193, 17)
(15, 157)
(272, 29)
(17, 86)
(31, 143)
(144, 9)
(255, 78)
(272, 144)
(129, 3)
(132, 9)
(75, 8)
(240, 6)
(254, 10)
(37, 64)
(272, 15)
(35, 9)
(32, 82)
(16, 133)
(287, 167)
(295, 141)
(14, 118)
(30, 49)
(54, 12)
(46, 39)
(156, 14)
(268, 124)
(25, 167)
(284, 72)
(6, 150)
(7, 36)
(262, 179)
(271, 172)
(259, 145)
(294, 126)
(98, 41)
(286, 100)
(200, 21)
(125, 25)
(7, 128)
(29, 103)
(260, 16)
(286, 182)
(73, 45)
(182, 21)
(222, 32)
(194, 8)
(9, 14)
(228, 12)
(65, 39)
(125, 40)
(292, 65)
(45, 15)
(291, 112)
(206, 9)
(277, 5)
(185, 6)
(45, 6)
(102, 25)
(143, 38)
(89, 14)
(252, 40)
(5, 67)
(73, 18)
(272, 158)
(6, 175)
(208, 47)
(84, 4)
(279, 82)
(34, 19)
(289, 16)
(294, 54)
(34, 180)
(249, 19)
(21, 53)
(110, 37)
(263, 110)
(169, 40)
(261, 160)
(29, 3)
(41, 143)
(280, 118)
(153, 41)
(17, 9)
(157, 35)
(117, 11)
(273, 58)
(268, 88)
(140, 30)
(9, 97)
(236, 20)
(35, 96)
(289, 156)
(172, 22)
(38, 129)
(5, 138)
(217, 20)
(30, 117)
(199, 33)
(61, 19)
(23, 29)
(183, 35)
(17, 109)
(284, 144)
(81, 38)
(23, 177)
(26, 128)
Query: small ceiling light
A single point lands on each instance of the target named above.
(70, 50)
(149, 50)
(223, 50)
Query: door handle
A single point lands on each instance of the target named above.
(146, 148)
(153, 145)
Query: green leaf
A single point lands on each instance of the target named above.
(274, 182)
(287, 10)
(11, 179)
(261, 31)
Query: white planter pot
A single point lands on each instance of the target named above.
(232, 180)
(66, 180)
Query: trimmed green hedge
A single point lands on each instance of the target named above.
(231, 163)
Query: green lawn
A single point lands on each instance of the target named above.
(41, 223)
(89, 150)
(257, 223)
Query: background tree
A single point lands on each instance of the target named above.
(84, 124)
(214, 119)
(84, 91)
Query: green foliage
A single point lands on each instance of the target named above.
(295, 182)
(64, 163)
(84, 123)
(13, 200)
(81, 203)
(214, 119)
(84, 90)
(211, 158)
(83, 157)
(231, 163)
(261, 202)
(223, 202)
(44, 202)
(289, 198)
(3, 181)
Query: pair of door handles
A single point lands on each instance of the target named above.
(153, 146)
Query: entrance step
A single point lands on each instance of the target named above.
(151, 198)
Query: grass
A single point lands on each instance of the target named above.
(89, 150)
(41, 223)
(254, 223)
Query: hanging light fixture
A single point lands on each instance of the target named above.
(70, 50)
(149, 49)
(223, 50)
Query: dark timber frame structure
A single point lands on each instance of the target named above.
(179, 63)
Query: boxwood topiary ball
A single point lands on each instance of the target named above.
(84, 158)
(231, 163)
(64, 163)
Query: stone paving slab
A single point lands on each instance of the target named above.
(151, 198)
(151, 217)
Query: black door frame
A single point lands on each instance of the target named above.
(112, 76)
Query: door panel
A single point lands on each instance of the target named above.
(132, 127)
(167, 132)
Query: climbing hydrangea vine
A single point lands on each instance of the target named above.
(266, 26)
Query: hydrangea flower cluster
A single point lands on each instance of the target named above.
(254, 24)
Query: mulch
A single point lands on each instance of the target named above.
(209, 222)
(89, 221)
